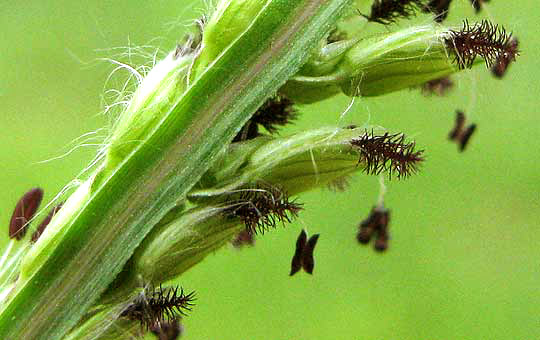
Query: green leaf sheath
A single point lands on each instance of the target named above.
(124, 203)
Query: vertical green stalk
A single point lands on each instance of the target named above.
(124, 203)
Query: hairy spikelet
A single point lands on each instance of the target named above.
(482, 39)
(276, 111)
(157, 304)
(262, 207)
(504, 60)
(387, 153)
(389, 11)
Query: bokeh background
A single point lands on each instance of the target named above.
(464, 258)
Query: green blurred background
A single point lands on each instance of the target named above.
(464, 257)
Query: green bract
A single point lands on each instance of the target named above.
(375, 65)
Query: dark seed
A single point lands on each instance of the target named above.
(24, 211)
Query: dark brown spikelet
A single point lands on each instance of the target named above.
(243, 238)
(168, 330)
(459, 134)
(157, 305)
(389, 11)
(45, 222)
(376, 224)
(308, 262)
(439, 86)
(439, 8)
(388, 153)
(25, 209)
(303, 254)
(276, 111)
(262, 207)
(483, 39)
(504, 60)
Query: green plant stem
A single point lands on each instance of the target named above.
(124, 204)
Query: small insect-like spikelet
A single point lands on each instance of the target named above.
(483, 40)
(376, 223)
(157, 304)
(261, 207)
(25, 209)
(504, 60)
(459, 133)
(387, 153)
(276, 111)
(439, 86)
(303, 253)
(439, 8)
(45, 222)
(388, 11)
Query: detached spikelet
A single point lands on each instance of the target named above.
(303, 253)
(376, 223)
(459, 133)
(25, 209)
(157, 305)
(389, 11)
(262, 207)
(439, 86)
(483, 40)
(439, 8)
(276, 111)
(388, 153)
